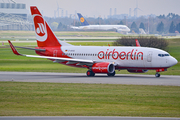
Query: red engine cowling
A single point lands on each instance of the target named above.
(136, 71)
(103, 67)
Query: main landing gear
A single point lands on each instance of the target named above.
(111, 74)
(90, 73)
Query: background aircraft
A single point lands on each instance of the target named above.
(95, 58)
(85, 26)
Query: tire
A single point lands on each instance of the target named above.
(90, 73)
(157, 75)
(111, 74)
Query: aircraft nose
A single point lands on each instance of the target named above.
(173, 61)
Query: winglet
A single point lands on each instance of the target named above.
(137, 43)
(13, 48)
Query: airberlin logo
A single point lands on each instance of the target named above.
(40, 28)
(82, 19)
(133, 55)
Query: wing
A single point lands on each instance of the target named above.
(55, 59)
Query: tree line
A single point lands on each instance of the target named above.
(151, 24)
(160, 27)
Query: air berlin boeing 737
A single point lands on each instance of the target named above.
(96, 59)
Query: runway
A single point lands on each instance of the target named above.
(130, 79)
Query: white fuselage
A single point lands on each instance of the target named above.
(124, 57)
(119, 28)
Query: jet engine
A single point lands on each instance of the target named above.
(119, 30)
(103, 67)
(136, 71)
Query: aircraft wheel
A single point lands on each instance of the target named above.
(157, 75)
(90, 73)
(111, 74)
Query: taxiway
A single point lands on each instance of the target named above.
(97, 79)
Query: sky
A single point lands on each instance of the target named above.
(101, 8)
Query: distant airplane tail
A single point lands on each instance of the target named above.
(82, 20)
(44, 35)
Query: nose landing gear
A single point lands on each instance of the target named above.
(157, 74)
(159, 70)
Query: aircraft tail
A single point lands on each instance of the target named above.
(82, 20)
(44, 35)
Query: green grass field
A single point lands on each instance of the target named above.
(61, 99)
(16, 34)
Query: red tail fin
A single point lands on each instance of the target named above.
(44, 35)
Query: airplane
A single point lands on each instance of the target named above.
(86, 26)
(104, 59)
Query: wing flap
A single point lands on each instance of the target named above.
(62, 59)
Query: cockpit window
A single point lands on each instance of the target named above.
(163, 55)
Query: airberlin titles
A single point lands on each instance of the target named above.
(134, 55)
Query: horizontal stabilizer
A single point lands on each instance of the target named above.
(40, 50)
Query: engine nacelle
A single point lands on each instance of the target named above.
(103, 67)
(119, 30)
(136, 71)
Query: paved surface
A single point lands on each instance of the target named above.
(82, 78)
(85, 118)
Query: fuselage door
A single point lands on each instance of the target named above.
(149, 56)
(55, 53)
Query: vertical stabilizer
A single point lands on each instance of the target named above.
(82, 20)
(44, 35)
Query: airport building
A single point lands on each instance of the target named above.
(13, 16)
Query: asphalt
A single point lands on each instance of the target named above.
(134, 79)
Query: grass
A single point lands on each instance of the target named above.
(63, 33)
(63, 99)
